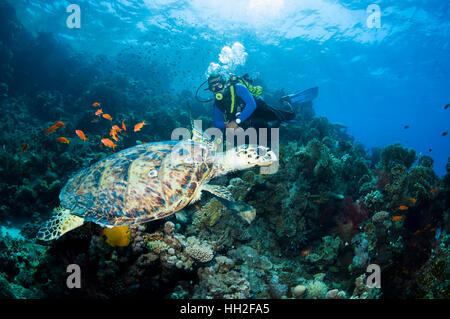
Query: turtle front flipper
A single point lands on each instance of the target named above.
(60, 223)
(244, 157)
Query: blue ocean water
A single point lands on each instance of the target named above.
(375, 76)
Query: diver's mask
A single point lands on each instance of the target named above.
(216, 86)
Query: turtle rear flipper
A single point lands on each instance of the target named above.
(60, 223)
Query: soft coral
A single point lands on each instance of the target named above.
(351, 216)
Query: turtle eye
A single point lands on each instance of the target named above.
(152, 173)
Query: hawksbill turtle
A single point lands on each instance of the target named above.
(148, 182)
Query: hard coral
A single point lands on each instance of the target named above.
(198, 251)
(395, 154)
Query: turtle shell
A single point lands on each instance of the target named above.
(139, 184)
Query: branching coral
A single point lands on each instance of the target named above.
(220, 281)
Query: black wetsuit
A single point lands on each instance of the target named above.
(252, 112)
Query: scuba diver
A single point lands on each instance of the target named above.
(237, 103)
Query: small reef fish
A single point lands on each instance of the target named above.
(445, 133)
(429, 150)
(107, 142)
(107, 116)
(51, 129)
(139, 126)
(116, 128)
(54, 127)
(446, 107)
(123, 126)
(433, 190)
(81, 135)
(96, 104)
(98, 112)
(403, 207)
(24, 148)
(119, 236)
(305, 252)
(413, 200)
(63, 140)
(406, 127)
(396, 218)
(114, 135)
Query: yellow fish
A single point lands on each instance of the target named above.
(119, 236)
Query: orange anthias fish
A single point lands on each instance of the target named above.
(63, 140)
(123, 126)
(433, 190)
(98, 112)
(107, 116)
(114, 135)
(107, 142)
(54, 127)
(96, 104)
(306, 252)
(24, 148)
(413, 200)
(51, 129)
(403, 207)
(396, 218)
(116, 128)
(139, 126)
(81, 135)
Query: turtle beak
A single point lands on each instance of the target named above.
(267, 159)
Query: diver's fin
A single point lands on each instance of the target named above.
(219, 191)
(60, 223)
(302, 96)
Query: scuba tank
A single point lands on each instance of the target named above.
(255, 90)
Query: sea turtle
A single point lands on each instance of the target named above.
(147, 182)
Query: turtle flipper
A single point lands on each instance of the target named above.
(60, 223)
(219, 191)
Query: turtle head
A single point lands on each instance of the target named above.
(245, 157)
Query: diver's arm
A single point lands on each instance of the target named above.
(218, 118)
(249, 100)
